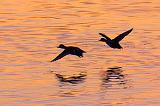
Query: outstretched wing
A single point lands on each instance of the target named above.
(103, 35)
(121, 36)
(64, 53)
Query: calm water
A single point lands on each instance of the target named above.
(31, 30)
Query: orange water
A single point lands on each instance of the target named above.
(30, 31)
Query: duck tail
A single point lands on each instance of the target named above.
(84, 51)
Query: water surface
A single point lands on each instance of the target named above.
(31, 30)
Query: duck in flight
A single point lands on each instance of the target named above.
(114, 43)
(69, 50)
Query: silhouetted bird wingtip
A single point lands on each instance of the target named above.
(101, 33)
(52, 60)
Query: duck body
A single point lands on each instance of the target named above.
(75, 51)
(112, 43)
(69, 50)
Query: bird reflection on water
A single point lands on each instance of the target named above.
(113, 78)
(70, 85)
(74, 79)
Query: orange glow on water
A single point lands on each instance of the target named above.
(31, 30)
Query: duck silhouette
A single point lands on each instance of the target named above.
(69, 50)
(114, 43)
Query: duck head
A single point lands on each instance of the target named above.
(103, 40)
(61, 46)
